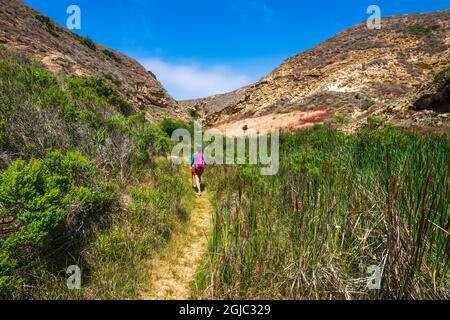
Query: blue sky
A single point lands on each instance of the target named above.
(203, 47)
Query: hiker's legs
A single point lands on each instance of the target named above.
(197, 181)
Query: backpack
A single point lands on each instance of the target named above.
(199, 162)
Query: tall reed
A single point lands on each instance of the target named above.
(338, 205)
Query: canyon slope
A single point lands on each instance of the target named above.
(61, 51)
(398, 74)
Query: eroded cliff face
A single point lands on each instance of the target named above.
(356, 74)
(64, 52)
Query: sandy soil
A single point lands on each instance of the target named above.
(172, 273)
(281, 121)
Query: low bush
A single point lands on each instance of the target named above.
(443, 75)
(98, 90)
(35, 199)
(194, 114)
(86, 41)
(374, 121)
(110, 54)
(170, 125)
(367, 104)
(422, 30)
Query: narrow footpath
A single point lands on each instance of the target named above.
(172, 272)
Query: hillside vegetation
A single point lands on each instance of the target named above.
(80, 184)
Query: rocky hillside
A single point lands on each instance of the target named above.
(399, 73)
(64, 52)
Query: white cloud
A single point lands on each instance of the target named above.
(188, 81)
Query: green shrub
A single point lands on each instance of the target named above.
(194, 114)
(3, 136)
(374, 121)
(59, 200)
(96, 89)
(88, 43)
(319, 126)
(311, 162)
(110, 54)
(36, 195)
(443, 75)
(42, 88)
(421, 30)
(367, 104)
(341, 119)
(170, 125)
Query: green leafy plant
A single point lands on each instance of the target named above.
(35, 197)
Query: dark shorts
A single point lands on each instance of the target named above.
(197, 171)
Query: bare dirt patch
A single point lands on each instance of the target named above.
(281, 121)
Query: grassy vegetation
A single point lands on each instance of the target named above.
(367, 104)
(443, 75)
(340, 119)
(338, 205)
(83, 181)
(110, 54)
(88, 43)
(421, 30)
(374, 121)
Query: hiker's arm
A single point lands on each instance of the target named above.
(192, 159)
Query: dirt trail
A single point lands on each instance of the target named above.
(172, 273)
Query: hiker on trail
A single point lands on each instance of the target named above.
(198, 165)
